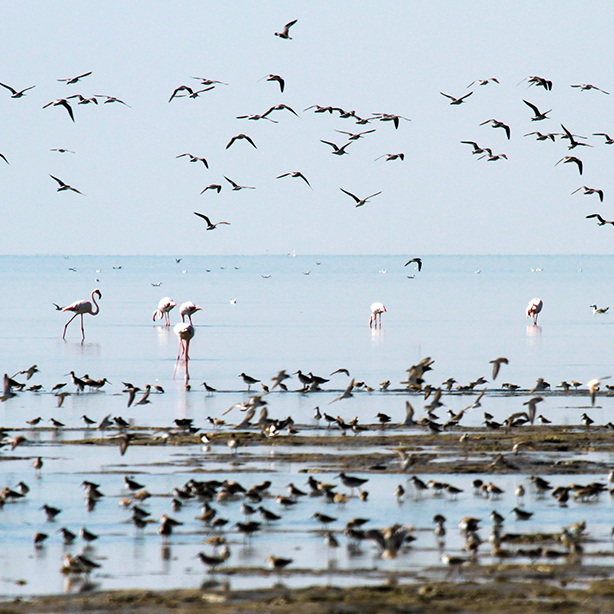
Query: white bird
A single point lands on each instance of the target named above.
(185, 332)
(593, 387)
(79, 308)
(164, 306)
(188, 309)
(533, 309)
(376, 310)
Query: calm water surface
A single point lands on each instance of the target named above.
(461, 311)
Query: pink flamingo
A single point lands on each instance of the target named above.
(185, 332)
(79, 308)
(376, 310)
(188, 309)
(164, 306)
(533, 308)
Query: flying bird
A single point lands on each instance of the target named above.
(483, 81)
(417, 260)
(61, 102)
(495, 123)
(80, 308)
(593, 387)
(608, 139)
(64, 186)
(588, 190)
(337, 151)
(567, 159)
(280, 107)
(456, 100)
(296, 174)
(241, 136)
(390, 157)
(62, 150)
(496, 365)
(285, 33)
(277, 78)
(542, 137)
(110, 99)
(236, 186)
(17, 93)
(587, 86)
(190, 92)
(390, 117)
(476, 148)
(354, 136)
(360, 201)
(572, 141)
(539, 81)
(537, 114)
(210, 225)
(601, 221)
(213, 186)
(194, 158)
(72, 80)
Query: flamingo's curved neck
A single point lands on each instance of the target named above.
(95, 313)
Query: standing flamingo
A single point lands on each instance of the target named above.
(533, 308)
(79, 308)
(376, 310)
(188, 309)
(164, 306)
(185, 332)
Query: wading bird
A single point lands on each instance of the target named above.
(376, 311)
(80, 308)
(164, 306)
(533, 309)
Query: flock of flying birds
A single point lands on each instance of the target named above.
(574, 141)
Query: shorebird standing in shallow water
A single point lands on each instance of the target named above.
(185, 332)
(79, 308)
(376, 312)
(164, 307)
(534, 308)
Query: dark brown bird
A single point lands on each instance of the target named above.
(239, 137)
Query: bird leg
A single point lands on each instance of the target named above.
(82, 331)
(67, 323)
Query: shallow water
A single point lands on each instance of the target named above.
(316, 322)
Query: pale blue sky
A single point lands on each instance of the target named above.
(390, 57)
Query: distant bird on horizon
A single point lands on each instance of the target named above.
(285, 33)
(80, 308)
(360, 201)
(210, 224)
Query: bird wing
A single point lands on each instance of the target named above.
(448, 96)
(62, 184)
(331, 144)
(65, 104)
(230, 181)
(204, 217)
(465, 96)
(232, 140)
(249, 140)
(535, 109)
(356, 199)
(4, 158)
(307, 182)
(8, 87)
(372, 195)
